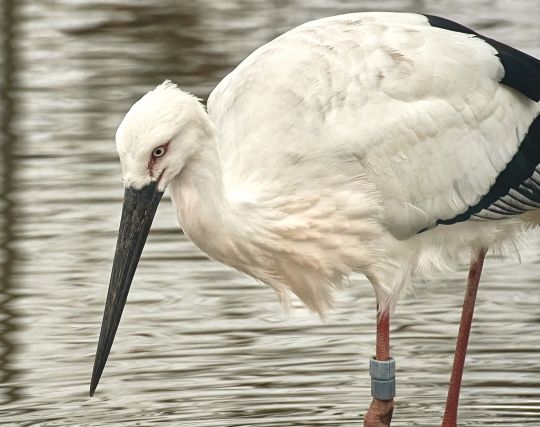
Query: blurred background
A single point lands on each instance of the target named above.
(200, 344)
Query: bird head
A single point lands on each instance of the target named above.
(159, 134)
(155, 140)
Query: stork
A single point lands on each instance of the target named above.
(389, 144)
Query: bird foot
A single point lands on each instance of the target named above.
(379, 413)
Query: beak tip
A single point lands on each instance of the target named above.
(94, 381)
(93, 387)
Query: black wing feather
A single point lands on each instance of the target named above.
(521, 71)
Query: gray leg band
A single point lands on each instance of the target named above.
(383, 378)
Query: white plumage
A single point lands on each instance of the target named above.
(386, 144)
(330, 148)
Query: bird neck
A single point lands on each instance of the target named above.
(198, 196)
(202, 173)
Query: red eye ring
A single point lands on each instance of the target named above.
(159, 151)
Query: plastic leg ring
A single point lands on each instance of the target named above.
(383, 378)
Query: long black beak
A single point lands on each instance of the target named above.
(137, 215)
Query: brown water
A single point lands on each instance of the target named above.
(199, 344)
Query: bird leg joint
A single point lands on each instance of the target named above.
(383, 378)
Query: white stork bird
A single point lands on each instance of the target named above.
(388, 144)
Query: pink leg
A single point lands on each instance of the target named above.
(450, 413)
(380, 411)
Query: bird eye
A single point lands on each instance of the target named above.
(158, 152)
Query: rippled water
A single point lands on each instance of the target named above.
(199, 344)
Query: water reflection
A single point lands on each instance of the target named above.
(10, 386)
(200, 344)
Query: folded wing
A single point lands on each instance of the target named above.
(442, 121)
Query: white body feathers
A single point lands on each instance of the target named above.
(329, 149)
